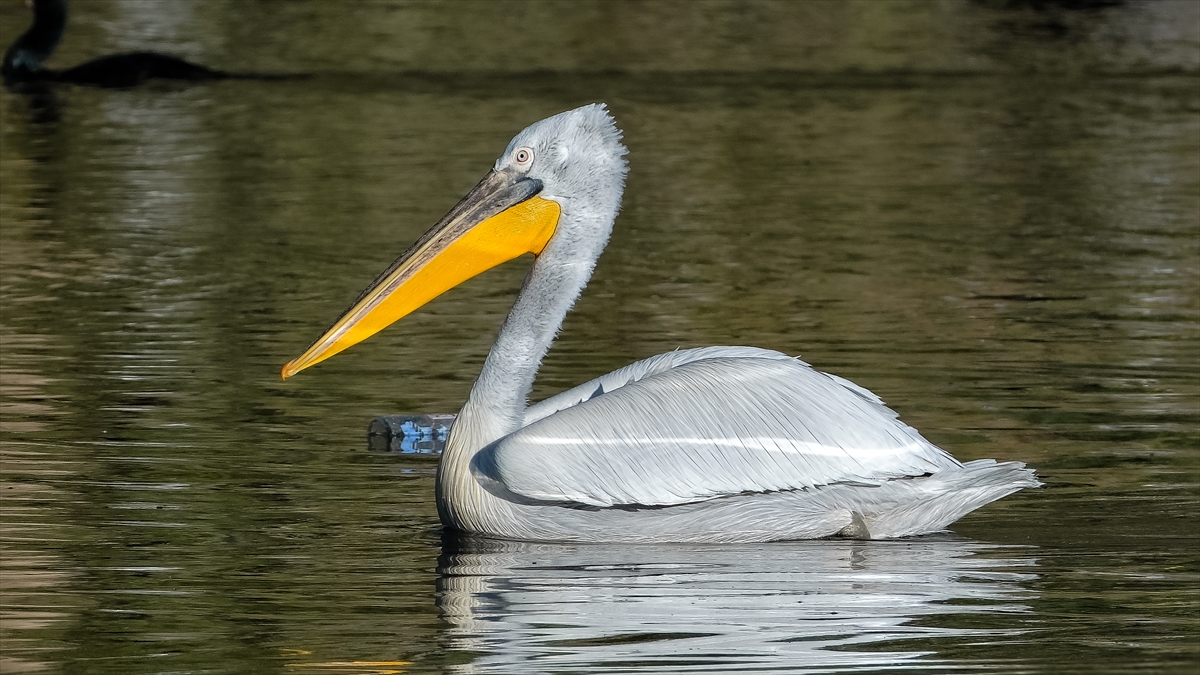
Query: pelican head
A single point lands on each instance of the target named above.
(578, 157)
(557, 186)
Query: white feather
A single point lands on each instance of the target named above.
(690, 426)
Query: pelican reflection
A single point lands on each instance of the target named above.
(541, 608)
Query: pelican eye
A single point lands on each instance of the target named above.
(523, 157)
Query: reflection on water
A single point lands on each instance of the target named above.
(546, 608)
(986, 212)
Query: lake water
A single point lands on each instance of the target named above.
(986, 212)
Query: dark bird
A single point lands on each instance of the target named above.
(23, 60)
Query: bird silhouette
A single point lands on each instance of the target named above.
(23, 60)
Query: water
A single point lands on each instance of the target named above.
(985, 213)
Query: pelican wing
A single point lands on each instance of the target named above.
(642, 369)
(693, 427)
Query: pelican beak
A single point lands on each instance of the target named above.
(501, 218)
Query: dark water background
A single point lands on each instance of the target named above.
(986, 212)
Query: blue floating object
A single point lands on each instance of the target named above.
(410, 434)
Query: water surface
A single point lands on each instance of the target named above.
(986, 213)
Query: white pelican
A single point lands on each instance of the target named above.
(718, 444)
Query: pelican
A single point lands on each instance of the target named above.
(716, 444)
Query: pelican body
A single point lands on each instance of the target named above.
(717, 444)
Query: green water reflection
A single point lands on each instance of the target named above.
(986, 213)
